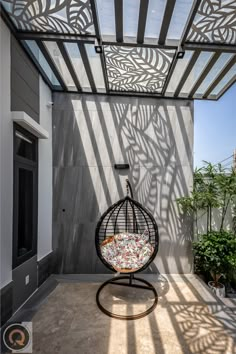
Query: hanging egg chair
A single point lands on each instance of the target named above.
(126, 241)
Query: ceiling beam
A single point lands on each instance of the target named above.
(222, 73)
(224, 48)
(107, 40)
(87, 66)
(143, 45)
(104, 69)
(99, 42)
(127, 94)
(227, 86)
(187, 71)
(69, 64)
(54, 37)
(51, 64)
(170, 73)
(143, 9)
(166, 21)
(119, 19)
(203, 75)
(95, 19)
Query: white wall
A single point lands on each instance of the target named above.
(216, 220)
(6, 154)
(45, 175)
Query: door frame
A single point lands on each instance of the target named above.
(30, 165)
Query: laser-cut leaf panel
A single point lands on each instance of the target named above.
(215, 22)
(62, 16)
(137, 69)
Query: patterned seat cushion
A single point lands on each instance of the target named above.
(127, 251)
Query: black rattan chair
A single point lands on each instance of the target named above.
(130, 216)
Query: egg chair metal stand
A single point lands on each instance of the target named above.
(130, 216)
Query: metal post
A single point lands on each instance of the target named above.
(131, 277)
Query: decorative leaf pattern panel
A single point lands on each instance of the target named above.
(62, 16)
(214, 22)
(137, 69)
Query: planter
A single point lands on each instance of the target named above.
(220, 291)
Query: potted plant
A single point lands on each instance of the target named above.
(214, 190)
(215, 252)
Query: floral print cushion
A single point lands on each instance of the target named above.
(127, 250)
(145, 253)
(108, 248)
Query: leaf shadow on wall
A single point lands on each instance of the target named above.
(91, 134)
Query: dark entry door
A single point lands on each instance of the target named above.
(25, 196)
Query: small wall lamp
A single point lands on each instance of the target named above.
(98, 47)
(121, 166)
(180, 53)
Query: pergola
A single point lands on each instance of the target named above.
(156, 48)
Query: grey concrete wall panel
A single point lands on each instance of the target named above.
(21, 290)
(91, 134)
(24, 82)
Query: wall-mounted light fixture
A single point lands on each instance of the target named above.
(121, 166)
(98, 47)
(180, 53)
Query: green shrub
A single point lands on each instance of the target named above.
(215, 252)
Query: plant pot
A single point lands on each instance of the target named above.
(220, 291)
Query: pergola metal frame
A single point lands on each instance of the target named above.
(100, 41)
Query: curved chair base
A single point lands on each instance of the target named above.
(148, 286)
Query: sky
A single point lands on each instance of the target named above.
(215, 128)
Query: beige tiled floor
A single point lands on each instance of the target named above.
(187, 319)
